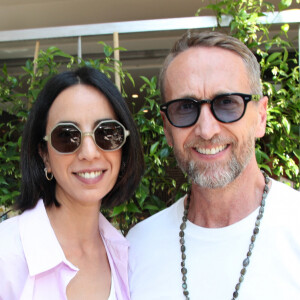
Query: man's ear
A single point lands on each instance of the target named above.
(45, 157)
(166, 130)
(262, 117)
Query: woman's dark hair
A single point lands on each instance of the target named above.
(34, 183)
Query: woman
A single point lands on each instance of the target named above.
(80, 150)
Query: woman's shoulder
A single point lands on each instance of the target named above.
(9, 226)
(13, 266)
(10, 237)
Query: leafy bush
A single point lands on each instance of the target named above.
(12, 111)
(15, 106)
(278, 152)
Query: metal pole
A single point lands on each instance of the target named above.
(36, 55)
(79, 49)
(117, 59)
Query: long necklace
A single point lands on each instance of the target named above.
(246, 261)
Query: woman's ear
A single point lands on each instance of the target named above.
(45, 157)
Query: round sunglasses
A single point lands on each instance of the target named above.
(226, 108)
(108, 135)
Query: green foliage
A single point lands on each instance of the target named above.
(158, 159)
(109, 65)
(278, 152)
(9, 138)
(15, 105)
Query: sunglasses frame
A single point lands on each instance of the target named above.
(47, 138)
(246, 98)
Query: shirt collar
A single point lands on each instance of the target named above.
(117, 252)
(110, 233)
(116, 245)
(41, 247)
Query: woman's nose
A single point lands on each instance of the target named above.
(88, 149)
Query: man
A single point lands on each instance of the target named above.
(237, 233)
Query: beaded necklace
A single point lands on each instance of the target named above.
(249, 253)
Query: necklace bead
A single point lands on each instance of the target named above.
(246, 261)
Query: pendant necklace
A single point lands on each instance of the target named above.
(246, 261)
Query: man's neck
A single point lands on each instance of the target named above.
(215, 208)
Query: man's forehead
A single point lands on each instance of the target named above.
(199, 68)
(202, 53)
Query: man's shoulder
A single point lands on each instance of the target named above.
(284, 192)
(283, 206)
(157, 223)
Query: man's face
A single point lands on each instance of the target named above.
(212, 153)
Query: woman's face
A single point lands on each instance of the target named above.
(87, 175)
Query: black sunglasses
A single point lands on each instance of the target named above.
(226, 108)
(108, 135)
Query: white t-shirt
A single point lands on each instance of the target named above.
(215, 255)
(112, 293)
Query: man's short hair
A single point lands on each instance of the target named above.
(214, 39)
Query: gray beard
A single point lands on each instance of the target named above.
(216, 175)
(211, 176)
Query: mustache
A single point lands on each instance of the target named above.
(214, 141)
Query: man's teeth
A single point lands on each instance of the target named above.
(211, 150)
(89, 175)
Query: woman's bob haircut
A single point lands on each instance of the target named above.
(34, 184)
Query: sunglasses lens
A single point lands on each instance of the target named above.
(109, 135)
(183, 113)
(228, 108)
(65, 138)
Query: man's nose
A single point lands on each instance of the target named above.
(207, 125)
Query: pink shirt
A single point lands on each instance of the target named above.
(33, 265)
